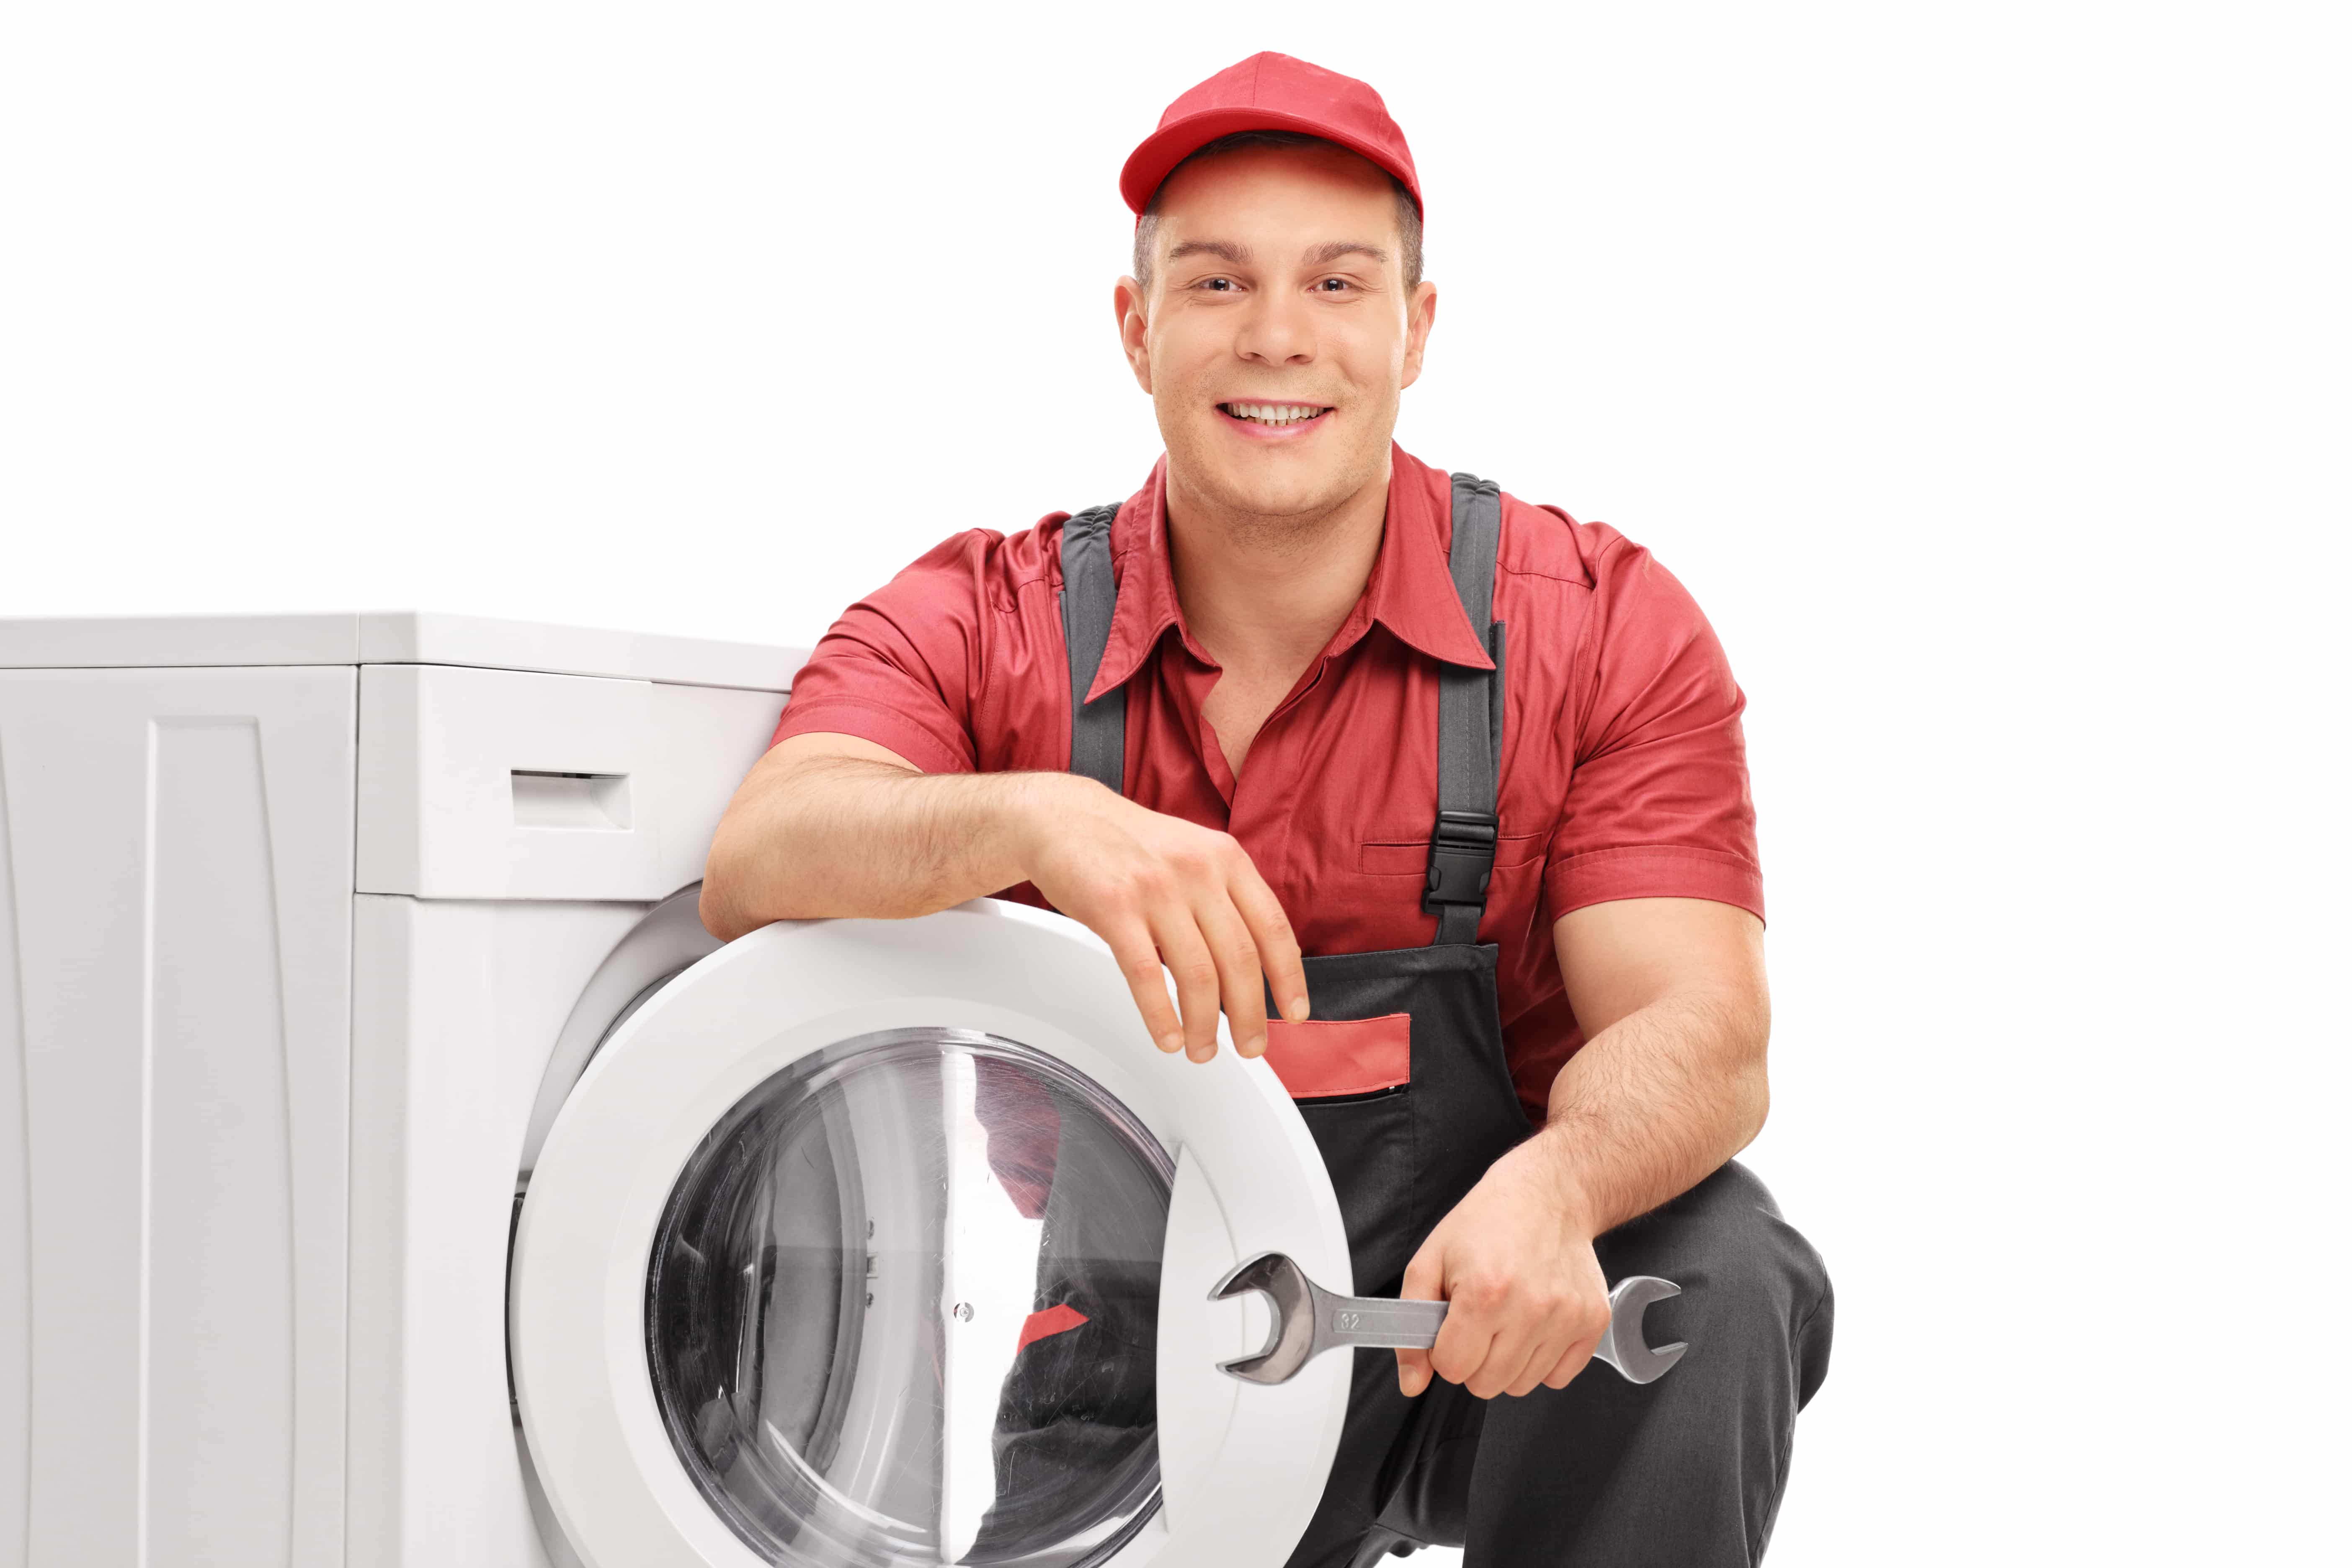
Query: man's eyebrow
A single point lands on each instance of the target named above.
(1224, 250)
(1325, 254)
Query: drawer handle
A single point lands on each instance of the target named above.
(592, 802)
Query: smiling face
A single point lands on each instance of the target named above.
(1277, 333)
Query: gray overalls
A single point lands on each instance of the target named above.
(1550, 1481)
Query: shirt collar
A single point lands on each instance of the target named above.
(1410, 591)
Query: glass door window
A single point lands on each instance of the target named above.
(901, 1308)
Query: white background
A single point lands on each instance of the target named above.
(1982, 369)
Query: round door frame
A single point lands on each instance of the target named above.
(660, 947)
(1249, 1179)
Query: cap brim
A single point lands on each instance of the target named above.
(1169, 145)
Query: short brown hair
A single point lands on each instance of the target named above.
(1408, 215)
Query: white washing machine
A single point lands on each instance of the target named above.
(393, 1172)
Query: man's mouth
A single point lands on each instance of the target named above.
(1273, 416)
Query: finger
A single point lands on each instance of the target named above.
(1421, 1278)
(1508, 1354)
(1589, 1320)
(1579, 1357)
(1467, 1334)
(1138, 961)
(1554, 1324)
(1543, 1354)
(1461, 1347)
(1238, 975)
(1187, 957)
(1277, 944)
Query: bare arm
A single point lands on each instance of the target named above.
(1668, 1085)
(833, 824)
(1670, 1082)
(830, 825)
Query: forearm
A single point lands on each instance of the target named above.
(1668, 1087)
(843, 836)
(1652, 1105)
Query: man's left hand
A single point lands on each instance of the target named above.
(1528, 1300)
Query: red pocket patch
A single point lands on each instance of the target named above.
(1327, 1056)
(1045, 1325)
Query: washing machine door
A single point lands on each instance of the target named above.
(882, 1242)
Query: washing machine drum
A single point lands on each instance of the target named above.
(882, 1242)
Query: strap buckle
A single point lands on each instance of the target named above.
(1461, 858)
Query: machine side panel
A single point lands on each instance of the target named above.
(178, 852)
(458, 1007)
(16, 1223)
(492, 783)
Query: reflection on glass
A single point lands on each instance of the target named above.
(901, 1308)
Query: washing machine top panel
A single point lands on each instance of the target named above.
(390, 636)
(869, 1242)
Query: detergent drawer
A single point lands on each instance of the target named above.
(491, 784)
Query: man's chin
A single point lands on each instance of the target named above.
(1271, 484)
(1274, 489)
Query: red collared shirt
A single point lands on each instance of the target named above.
(1624, 776)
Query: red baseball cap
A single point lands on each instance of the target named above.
(1269, 92)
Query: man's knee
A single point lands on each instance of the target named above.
(1751, 1283)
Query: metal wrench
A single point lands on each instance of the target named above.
(1310, 1320)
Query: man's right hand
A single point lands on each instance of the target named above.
(830, 825)
(1162, 890)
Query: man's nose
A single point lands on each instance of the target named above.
(1277, 330)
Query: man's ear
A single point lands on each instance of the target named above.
(1420, 314)
(1134, 325)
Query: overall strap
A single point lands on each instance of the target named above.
(1089, 592)
(1469, 728)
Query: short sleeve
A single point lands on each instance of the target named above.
(903, 665)
(1658, 803)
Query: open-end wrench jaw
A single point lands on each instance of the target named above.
(1291, 1345)
(1310, 1320)
(1622, 1345)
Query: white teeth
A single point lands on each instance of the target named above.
(1274, 413)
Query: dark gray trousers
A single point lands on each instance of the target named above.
(1685, 1472)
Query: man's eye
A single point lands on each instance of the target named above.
(1221, 285)
(1342, 282)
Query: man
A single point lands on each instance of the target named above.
(1247, 730)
